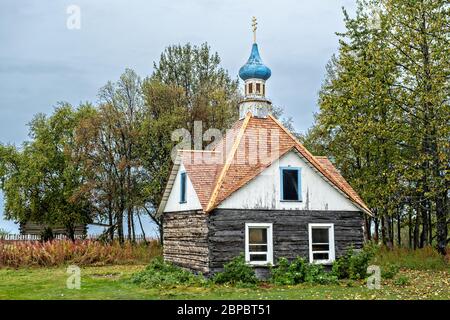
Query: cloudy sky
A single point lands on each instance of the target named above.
(42, 61)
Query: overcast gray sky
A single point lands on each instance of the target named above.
(43, 62)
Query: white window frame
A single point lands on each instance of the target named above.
(269, 252)
(331, 248)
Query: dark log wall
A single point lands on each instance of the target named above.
(290, 232)
(186, 239)
(37, 229)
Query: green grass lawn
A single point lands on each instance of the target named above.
(112, 282)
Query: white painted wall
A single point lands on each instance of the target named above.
(192, 201)
(263, 192)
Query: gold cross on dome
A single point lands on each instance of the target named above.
(254, 27)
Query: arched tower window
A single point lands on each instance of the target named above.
(258, 88)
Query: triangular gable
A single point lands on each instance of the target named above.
(264, 190)
(173, 200)
(201, 170)
(328, 165)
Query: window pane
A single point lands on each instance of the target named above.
(320, 247)
(257, 235)
(258, 257)
(183, 187)
(290, 185)
(320, 256)
(250, 88)
(258, 88)
(320, 235)
(258, 248)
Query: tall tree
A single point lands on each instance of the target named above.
(40, 180)
(107, 147)
(210, 94)
(384, 113)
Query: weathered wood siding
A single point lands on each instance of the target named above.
(186, 239)
(290, 232)
(33, 228)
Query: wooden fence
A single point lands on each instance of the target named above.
(33, 237)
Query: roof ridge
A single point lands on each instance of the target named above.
(228, 161)
(187, 150)
(292, 137)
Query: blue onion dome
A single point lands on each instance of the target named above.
(254, 68)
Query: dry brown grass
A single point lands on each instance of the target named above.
(17, 254)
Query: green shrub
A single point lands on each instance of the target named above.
(353, 265)
(160, 273)
(389, 271)
(401, 281)
(47, 235)
(237, 271)
(280, 274)
(286, 273)
(315, 273)
(299, 271)
(341, 267)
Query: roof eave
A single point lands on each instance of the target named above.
(169, 184)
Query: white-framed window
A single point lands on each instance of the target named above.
(258, 243)
(290, 184)
(321, 243)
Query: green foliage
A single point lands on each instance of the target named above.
(353, 265)
(209, 93)
(47, 234)
(236, 272)
(389, 271)
(402, 281)
(3, 232)
(112, 283)
(315, 273)
(160, 273)
(299, 271)
(286, 273)
(384, 113)
(40, 179)
(427, 258)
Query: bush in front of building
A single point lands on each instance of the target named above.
(299, 271)
(353, 265)
(236, 272)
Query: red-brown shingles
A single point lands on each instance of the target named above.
(326, 163)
